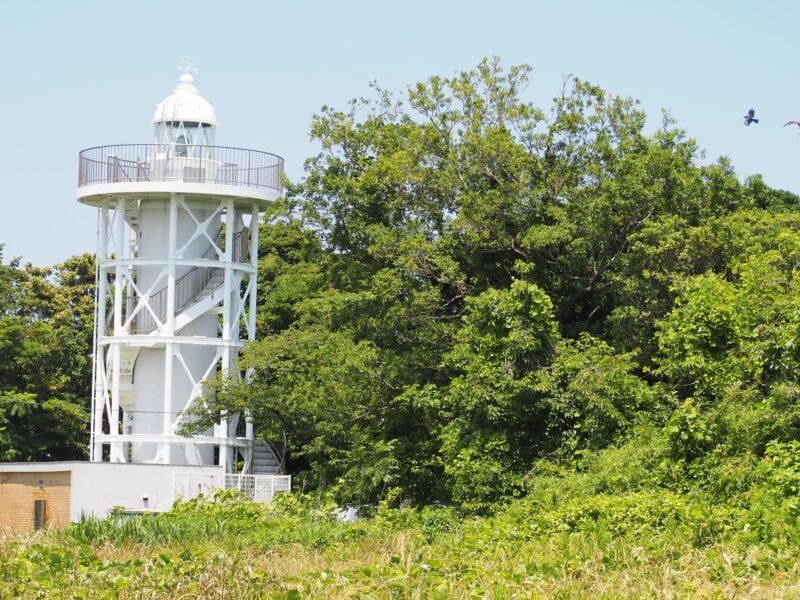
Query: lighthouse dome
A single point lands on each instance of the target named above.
(185, 104)
(185, 122)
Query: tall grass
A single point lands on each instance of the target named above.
(605, 532)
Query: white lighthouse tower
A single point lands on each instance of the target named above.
(177, 261)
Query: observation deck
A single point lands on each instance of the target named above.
(155, 169)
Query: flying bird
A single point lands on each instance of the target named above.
(792, 123)
(750, 117)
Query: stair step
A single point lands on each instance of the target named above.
(265, 471)
(262, 454)
(264, 460)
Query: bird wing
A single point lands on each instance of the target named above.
(792, 123)
(751, 113)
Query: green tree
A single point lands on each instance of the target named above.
(464, 283)
(729, 349)
(495, 417)
(45, 360)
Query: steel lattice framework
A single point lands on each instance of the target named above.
(176, 294)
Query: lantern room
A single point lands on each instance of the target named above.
(185, 122)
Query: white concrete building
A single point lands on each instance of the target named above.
(57, 493)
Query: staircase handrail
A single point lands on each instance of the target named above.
(279, 456)
(188, 288)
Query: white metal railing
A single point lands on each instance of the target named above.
(220, 165)
(187, 485)
(196, 282)
(260, 488)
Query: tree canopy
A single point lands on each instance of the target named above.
(46, 318)
(465, 284)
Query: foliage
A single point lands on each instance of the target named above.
(567, 539)
(594, 396)
(781, 466)
(45, 359)
(491, 434)
(465, 287)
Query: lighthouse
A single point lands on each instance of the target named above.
(177, 254)
(177, 265)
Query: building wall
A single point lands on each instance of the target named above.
(19, 490)
(75, 488)
(99, 487)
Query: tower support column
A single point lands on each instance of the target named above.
(99, 368)
(165, 452)
(119, 281)
(225, 458)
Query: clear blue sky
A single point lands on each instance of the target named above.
(87, 73)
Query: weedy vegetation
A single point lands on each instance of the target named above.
(601, 531)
